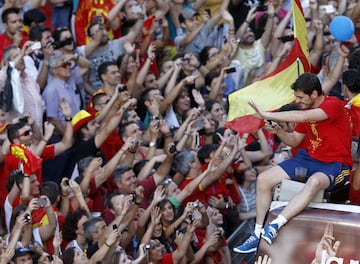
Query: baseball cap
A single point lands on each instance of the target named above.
(22, 251)
(188, 13)
(80, 119)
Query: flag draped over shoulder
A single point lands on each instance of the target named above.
(31, 162)
(274, 90)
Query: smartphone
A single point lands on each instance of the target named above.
(237, 40)
(208, 10)
(270, 122)
(260, 8)
(172, 149)
(136, 9)
(199, 123)
(114, 226)
(50, 258)
(286, 38)
(230, 70)
(41, 201)
(329, 9)
(36, 45)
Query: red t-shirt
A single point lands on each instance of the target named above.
(330, 139)
(5, 42)
(12, 163)
(353, 112)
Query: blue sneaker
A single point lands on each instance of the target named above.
(250, 245)
(269, 233)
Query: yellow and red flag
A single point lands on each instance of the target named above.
(274, 90)
(31, 162)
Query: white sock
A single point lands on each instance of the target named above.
(258, 229)
(279, 220)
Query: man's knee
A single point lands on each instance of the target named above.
(317, 183)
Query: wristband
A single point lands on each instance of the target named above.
(137, 203)
(68, 119)
(106, 244)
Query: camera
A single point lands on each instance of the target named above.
(27, 218)
(146, 247)
(159, 21)
(230, 70)
(172, 149)
(133, 197)
(36, 45)
(195, 204)
(237, 40)
(261, 8)
(41, 201)
(50, 258)
(114, 226)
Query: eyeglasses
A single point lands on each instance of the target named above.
(26, 133)
(65, 65)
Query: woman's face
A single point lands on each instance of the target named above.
(80, 228)
(167, 213)
(213, 53)
(157, 232)
(79, 257)
(218, 112)
(130, 65)
(215, 216)
(172, 189)
(183, 103)
(250, 174)
(156, 250)
(230, 135)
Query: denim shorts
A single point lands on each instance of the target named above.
(337, 172)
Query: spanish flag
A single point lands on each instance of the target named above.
(31, 162)
(274, 90)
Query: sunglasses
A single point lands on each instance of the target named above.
(25, 133)
(65, 65)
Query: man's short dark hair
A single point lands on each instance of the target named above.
(51, 190)
(36, 32)
(13, 130)
(351, 78)
(7, 12)
(33, 16)
(205, 151)
(103, 68)
(307, 83)
(118, 172)
(122, 128)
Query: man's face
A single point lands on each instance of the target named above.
(46, 38)
(128, 183)
(13, 24)
(133, 117)
(63, 70)
(25, 135)
(112, 76)
(104, 37)
(101, 102)
(248, 37)
(117, 202)
(303, 100)
(151, 81)
(101, 226)
(92, 127)
(24, 259)
(20, 66)
(191, 24)
(132, 130)
(155, 95)
(128, 12)
(34, 185)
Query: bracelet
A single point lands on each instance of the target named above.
(187, 134)
(68, 119)
(106, 244)
(137, 203)
(271, 16)
(246, 22)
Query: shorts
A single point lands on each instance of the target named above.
(337, 172)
